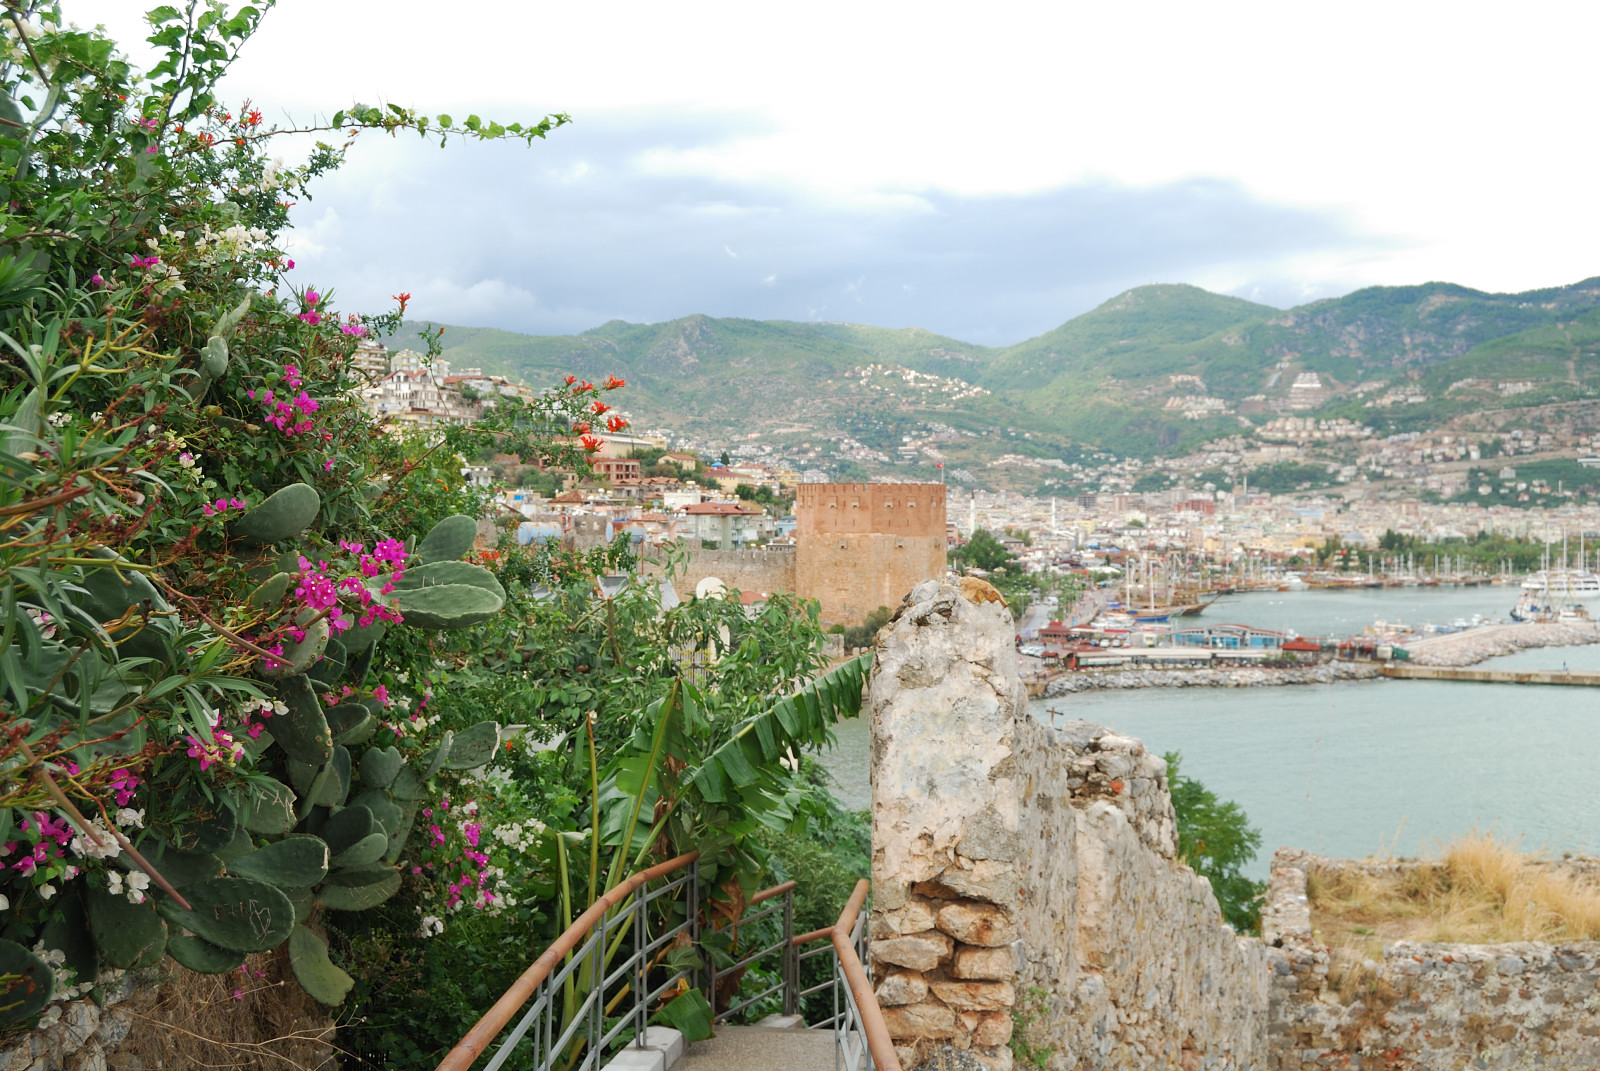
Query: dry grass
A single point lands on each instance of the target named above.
(1477, 891)
(196, 1021)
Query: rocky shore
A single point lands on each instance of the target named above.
(1452, 649)
(1241, 677)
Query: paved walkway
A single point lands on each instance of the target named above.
(760, 1048)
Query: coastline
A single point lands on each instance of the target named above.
(1451, 649)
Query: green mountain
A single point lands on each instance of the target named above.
(1157, 368)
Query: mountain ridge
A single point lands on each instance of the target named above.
(1153, 369)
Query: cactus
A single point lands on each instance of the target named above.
(349, 827)
(201, 956)
(448, 540)
(271, 592)
(270, 809)
(328, 669)
(380, 765)
(199, 829)
(384, 810)
(302, 732)
(343, 717)
(364, 852)
(398, 835)
(436, 573)
(214, 360)
(241, 844)
(360, 637)
(303, 900)
(177, 866)
(299, 655)
(280, 516)
(25, 984)
(435, 758)
(228, 321)
(128, 935)
(308, 957)
(333, 786)
(448, 606)
(238, 914)
(359, 733)
(407, 784)
(473, 747)
(297, 861)
(359, 888)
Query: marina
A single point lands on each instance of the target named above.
(1356, 764)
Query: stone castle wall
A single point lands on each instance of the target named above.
(1425, 1006)
(764, 569)
(860, 546)
(1021, 868)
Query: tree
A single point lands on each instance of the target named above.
(982, 551)
(863, 634)
(1216, 839)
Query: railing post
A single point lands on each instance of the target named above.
(597, 999)
(698, 981)
(641, 940)
(791, 958)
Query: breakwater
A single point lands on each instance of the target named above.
(1492, 676)
(1453, 649)
(1238, 677)
(1491, 641)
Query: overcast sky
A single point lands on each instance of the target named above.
(985, 171)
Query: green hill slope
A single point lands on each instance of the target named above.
(1157, 368)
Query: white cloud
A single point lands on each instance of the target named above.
(1398, 120)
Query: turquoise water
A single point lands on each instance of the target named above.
(1363, 767)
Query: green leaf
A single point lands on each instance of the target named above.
(688, 1013)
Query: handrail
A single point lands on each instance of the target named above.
(768, 894)
(807, 938)
(873, 1025)
(470, 1047)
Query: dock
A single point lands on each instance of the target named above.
(1587, 678)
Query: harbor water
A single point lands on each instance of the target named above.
(1363, 768)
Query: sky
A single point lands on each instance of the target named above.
(983, 171)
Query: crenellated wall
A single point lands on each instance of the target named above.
(1016, 867)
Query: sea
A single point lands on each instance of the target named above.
(1362, 768)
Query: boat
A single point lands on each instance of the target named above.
(1563, 582)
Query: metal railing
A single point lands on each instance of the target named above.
(569, 1005)
(546, 981)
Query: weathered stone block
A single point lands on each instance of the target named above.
(925, 1020)
(993, 1029)
(975, 996)
(902, 987)
(985, 963)
(977, 924)
(919, 951)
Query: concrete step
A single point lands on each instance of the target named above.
(761, 1048)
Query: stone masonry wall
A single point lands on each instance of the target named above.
(766, 570)
(1019, 867)
(1426, 1006)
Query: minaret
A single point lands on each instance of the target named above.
(972, 515)
(1052, 514)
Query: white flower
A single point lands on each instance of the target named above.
(5, 904)
(127, 816)
(138, 880)
(58, 420)
(432, 925)
(46, 891)
(114, 882)
(85, 845)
